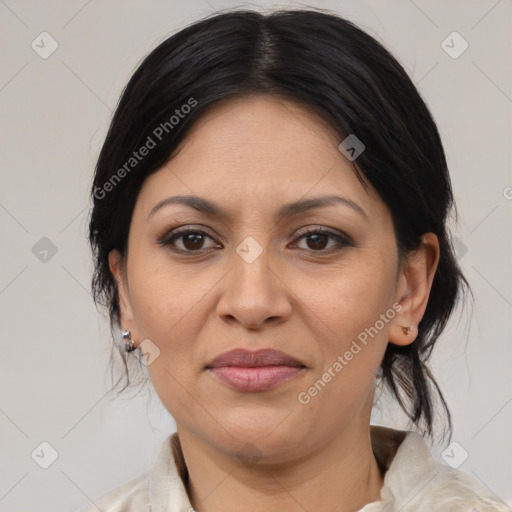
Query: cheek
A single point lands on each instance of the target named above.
(171, 304)
(169, 312)
(163, 294)
(356, 311)
(354, 298)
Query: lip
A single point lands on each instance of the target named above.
(252, 371)
(253, 359)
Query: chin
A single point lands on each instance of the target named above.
(272, 441)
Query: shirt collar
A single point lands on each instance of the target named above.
(410, 467)
(168, 477)
(393, 449)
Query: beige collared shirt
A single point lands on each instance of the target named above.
(413, 482)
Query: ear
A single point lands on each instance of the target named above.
(118, 269)
(413, 289)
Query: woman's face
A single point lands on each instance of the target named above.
(254, 279)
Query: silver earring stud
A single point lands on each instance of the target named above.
(129, 343)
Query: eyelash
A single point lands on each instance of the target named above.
(342, 240)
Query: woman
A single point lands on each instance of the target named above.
(269, 233)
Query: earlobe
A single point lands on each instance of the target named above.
(413, 290)
(402, 334)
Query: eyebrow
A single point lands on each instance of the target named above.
(288, 210)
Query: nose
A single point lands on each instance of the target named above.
(254, 293)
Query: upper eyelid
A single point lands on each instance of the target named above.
(188, 228)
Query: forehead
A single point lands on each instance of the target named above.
(256, 152)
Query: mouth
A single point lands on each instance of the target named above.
(249, 371)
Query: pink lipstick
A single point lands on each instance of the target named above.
(249, 371)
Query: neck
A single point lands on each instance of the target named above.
(342, 476)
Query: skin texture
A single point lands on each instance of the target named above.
(251, 156)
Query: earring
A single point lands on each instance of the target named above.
(129, 343)
(406, 330)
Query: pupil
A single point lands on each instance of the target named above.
(196, 240)
(316, 241)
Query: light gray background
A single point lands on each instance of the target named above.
(55, 113)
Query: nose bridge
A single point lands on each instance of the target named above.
(252, 292)
(251, 267)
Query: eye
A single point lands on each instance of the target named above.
(317, 238)
(191, 240)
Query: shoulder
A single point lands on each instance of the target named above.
(133, 495)
(453, 490)
(436, 486)
(416, 482)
